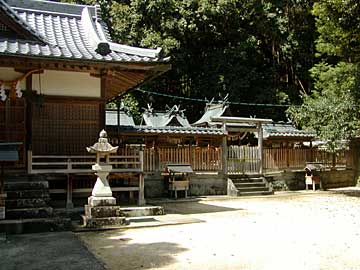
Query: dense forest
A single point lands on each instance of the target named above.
(272, 53)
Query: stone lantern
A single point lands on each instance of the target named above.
(102, 149)
(101, 210)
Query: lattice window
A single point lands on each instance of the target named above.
(65, 128)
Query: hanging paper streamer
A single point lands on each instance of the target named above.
(2, 93)
(18, 90)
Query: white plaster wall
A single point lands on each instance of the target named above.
(9, 74)
(65, 83)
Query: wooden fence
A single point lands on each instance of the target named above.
(240, 159)
(287, 158)
(243, 159)
(200, 158)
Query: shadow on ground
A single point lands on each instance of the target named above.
(348, 192)
(60, 250)
(115, 250)
(195, 208)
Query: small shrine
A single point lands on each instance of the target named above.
(101, 210)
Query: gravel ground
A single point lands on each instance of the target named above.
(295, 230)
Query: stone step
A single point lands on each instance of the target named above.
(27, 203)
(249, 184)
(35, 225)
(255, 193)
(141, 211)
(253, 189)
(103, 211)
(243, 176)
(104, 222)
(28, 194)
(24, 213)
(248, 180)
(11, 177)
(26, 185)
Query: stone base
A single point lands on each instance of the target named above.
(104, 222)
(102, 212)
(101, 201)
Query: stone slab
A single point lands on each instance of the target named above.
(142, 211)
(101, 201)
(40, 212)
(104, 222)
(103, 211)
(27, 203)
(24, 194)
(26, 185)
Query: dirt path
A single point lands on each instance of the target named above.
(318, 230)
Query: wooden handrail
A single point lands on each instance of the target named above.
(38, 164)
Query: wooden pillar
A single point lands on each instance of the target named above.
(102, 105)
(224, 152)
(260, 146)
(157, 156)
(69, 193)
(141, 199)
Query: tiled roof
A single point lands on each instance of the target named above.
(67, 31)
(284, 130)
(172, 130)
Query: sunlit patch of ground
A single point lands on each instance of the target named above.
(294, 230)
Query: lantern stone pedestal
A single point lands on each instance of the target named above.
(101, 210)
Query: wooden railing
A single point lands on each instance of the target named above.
(287, 158)
(82, 164)
(241, 159)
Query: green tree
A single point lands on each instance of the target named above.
(332, 109)
(258, 51)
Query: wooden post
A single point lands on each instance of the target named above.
(141, 160)
(29, 157)
(260, 146)
(141, 200)
(69, 191)
(2, 179)
(224, 152)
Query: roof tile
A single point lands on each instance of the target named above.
(59, 33)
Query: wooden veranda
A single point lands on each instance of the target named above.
(73, 166)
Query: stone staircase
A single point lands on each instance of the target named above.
(248, 185)
(27, 207)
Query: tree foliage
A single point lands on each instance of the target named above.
(258, 51)
(332, 109)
